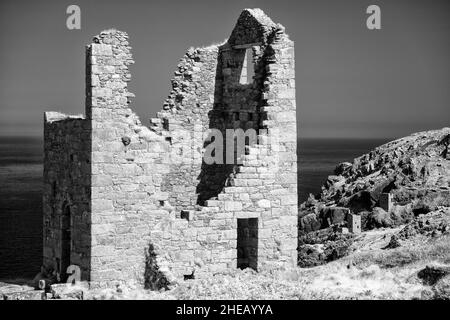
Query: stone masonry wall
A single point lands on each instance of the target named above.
(156, 208)
(67, 181)
(265, 185)
(184, 119)
(128, 165)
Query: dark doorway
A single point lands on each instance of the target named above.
(247, 243)
(66, 241)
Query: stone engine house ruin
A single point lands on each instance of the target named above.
(116, 203)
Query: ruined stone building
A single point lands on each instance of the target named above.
(117, 204)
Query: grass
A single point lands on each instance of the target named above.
(417, 251)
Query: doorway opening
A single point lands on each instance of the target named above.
(66, 241)
(247, 243)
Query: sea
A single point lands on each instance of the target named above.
(21, 192)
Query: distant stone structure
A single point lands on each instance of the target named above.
(385, 201)
(118, 205)
(354, 223)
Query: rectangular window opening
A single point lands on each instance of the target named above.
(248, 67)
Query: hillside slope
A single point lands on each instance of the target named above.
(415, 170)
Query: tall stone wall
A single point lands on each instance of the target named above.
(155, 209)
(129, 162)
(67, 193)
(264, 186)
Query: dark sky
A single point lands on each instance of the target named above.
(351, 82)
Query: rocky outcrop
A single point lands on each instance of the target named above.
(432, 225)
(414, 170)
(387, 187)
(432, 274)
(319, 247)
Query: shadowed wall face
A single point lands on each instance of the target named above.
(67, 193)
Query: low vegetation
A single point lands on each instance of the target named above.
(373, 270)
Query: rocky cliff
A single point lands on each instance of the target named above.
(414, 172)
